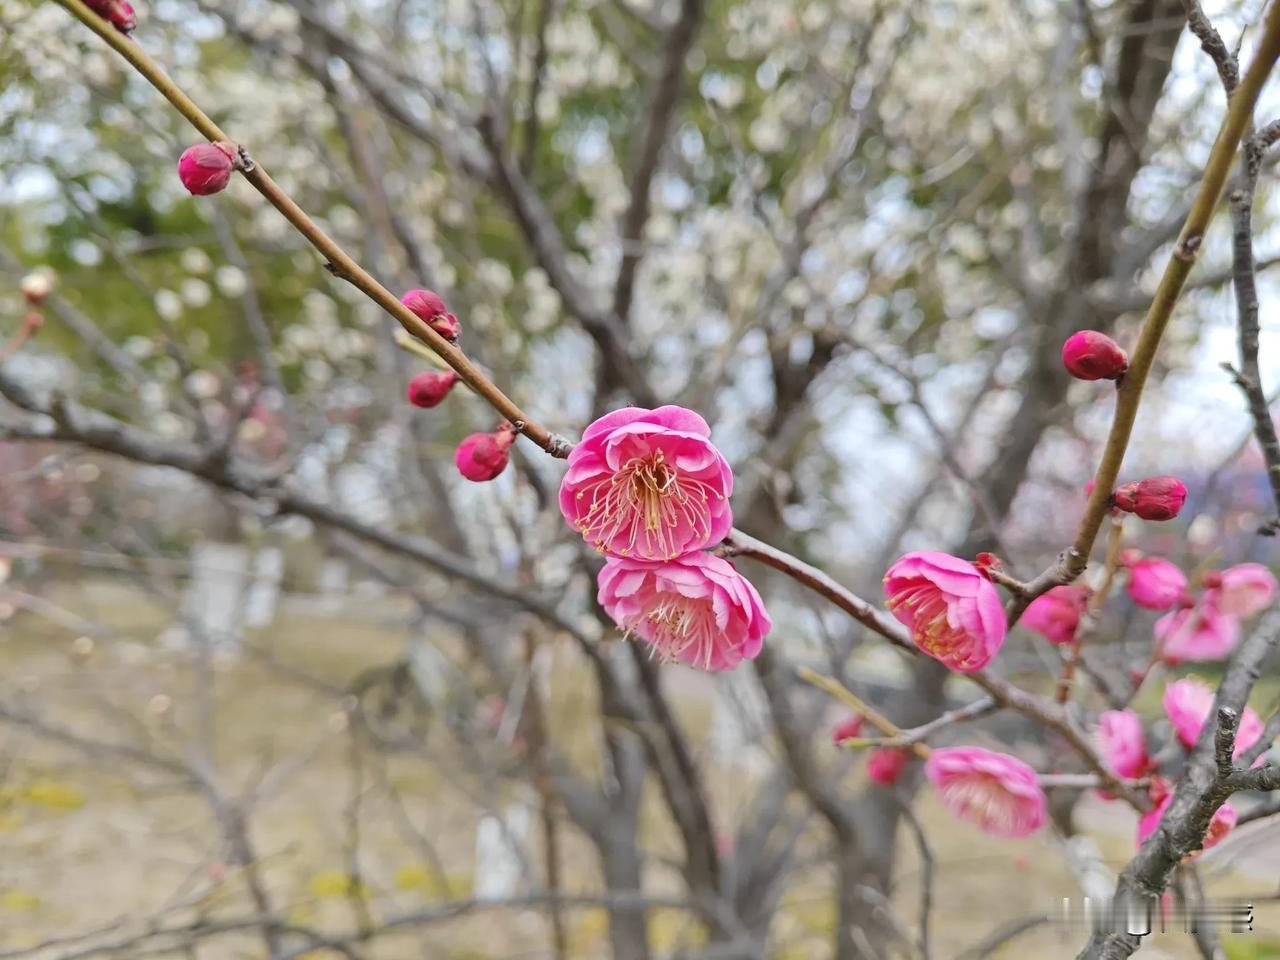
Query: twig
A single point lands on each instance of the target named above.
(1211, 43)
(1071, 655)
(1244, 271)
(337, 261)
(1185, 252)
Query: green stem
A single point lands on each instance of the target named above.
(1238, 118)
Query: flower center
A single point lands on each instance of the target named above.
(930, 627)
(645, 504)
(680, 629)
(983, 800)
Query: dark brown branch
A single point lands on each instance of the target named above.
(1211, 43)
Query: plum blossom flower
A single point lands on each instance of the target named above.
(1188, 704)
(1156, 584)
(1195, 635)
(847, 728)
(1056, 614)
(998, 793)
(648, 484)
(695, 608)
(1121, 743)
(885, 764)
(1241, 591)
(1223, 822)
(953, 611)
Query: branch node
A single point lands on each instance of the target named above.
(1188, 248)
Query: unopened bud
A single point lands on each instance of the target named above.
(427, 389)
(429, 306)
(117, 12)
(35, 286)
(207, 167)
(482, 456)
(1156, 498)
(987, 563)
(1090, 355)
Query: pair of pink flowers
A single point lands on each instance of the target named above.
(1188, 704)
(1209, 629)
(649, 489)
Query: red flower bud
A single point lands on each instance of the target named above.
(35, 287)
(847, 729)
(430, 307)
(426, 390)
(986, 563)
(482, 456)
(121, 16)
(885, 764)
(207, 167)
(1156, 498)
(118, 12)
(1089, 355)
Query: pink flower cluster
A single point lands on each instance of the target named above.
(1207, 628)
(1223, 821)
(649, 490)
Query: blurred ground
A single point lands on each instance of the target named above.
(107, 844)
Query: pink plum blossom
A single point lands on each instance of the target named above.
(1121, 743)
(998, 793)
(695, 608)
(1188, 703)
(1156, 584)
(1223, 822)
(1056, 614)
(1241, 591)
(648, 484)
(953, 611)
(1197, 634)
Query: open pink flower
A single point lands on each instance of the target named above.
(1242, 590)
(1223, 822)
(847, 729)
(1121, 743)
(953, 611)
(1156, 584)
(1188, 704)
(1056, 614)
(648, 483)
(885, 764)
(998, 793)
(1197, 634)
(695, 608)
